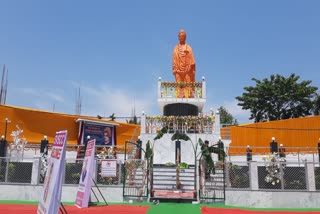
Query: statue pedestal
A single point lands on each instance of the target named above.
(183, 115)
(165, 149)
(173, 102)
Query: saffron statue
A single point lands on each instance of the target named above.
(183, 66)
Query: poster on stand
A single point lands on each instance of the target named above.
(52, 188)
(85, 183)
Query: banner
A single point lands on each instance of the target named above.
(50, 199)
(108, 168)
(84, 189)
(104, 135)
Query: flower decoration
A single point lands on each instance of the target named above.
(181, 84)
(273, 164)
(181, 119)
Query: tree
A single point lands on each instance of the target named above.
(316, 110)
(278, 98)
(133, 120)
(226, 117)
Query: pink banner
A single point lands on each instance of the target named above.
(84, 189)
(52, 188)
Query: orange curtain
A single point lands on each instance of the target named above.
(35, 124)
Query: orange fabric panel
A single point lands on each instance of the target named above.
(35, 124)
(296, 132)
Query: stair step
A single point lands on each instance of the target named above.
(182, 174)
(173, 200)
(173, 178)
(173, 194)
(173, 182)
(172, 187)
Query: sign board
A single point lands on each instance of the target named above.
(104, 134)
(109, 168)
(85, 183)
(50, 199)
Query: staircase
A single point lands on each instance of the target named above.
(164, 185)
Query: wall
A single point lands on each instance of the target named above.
(297, 132)
(32, 193)
(35, 124)
(263, 199)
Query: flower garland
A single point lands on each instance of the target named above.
(181, 84)
(181, 119)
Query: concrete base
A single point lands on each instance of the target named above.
(33, 192)
(260, 199)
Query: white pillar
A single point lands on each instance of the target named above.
(253, 173)
(143, 123)
(216, 126)
(35, 170)
(204, 92)
(311, 185)
(159, 88)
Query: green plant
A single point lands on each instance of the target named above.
(238, 178)
(75, 176)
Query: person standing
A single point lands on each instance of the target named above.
(319, 149)
(249, 153)
(282, 151)
(273, 146)
(3, 147)
(44, 145)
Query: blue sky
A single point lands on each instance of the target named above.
(116, 50)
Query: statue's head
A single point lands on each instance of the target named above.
(182, 36)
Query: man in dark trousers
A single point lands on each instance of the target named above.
(206, 167)
(273, 145)
(319, 149)
(44, 145)
(282, 151)
(3, 147)
(249, 153)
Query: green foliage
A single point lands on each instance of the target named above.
(206, 154)
(216, 150)
(226, 117)
(278, 98)
(163, 131)
(180, 136)
(133, 120)
(183, 165)
(169, 164)
(238, 176)
(149, 153)
(316, 110)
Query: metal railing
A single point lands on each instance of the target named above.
(29, 172)
(273, 176)
(266, 176)
(34, 149)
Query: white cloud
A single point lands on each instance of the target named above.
(105, 100)
(39, 98)
(43, 94)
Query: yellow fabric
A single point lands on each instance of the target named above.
(35, 124)
(297, 132)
